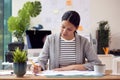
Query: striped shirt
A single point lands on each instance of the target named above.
(67, 52)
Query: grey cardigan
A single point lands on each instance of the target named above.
(84, 51)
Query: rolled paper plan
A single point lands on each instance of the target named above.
(106, 50)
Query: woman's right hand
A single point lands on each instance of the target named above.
(36, 68)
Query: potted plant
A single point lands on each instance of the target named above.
(19, 62)
(17, 25)
(103, 36)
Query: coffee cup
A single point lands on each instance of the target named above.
(99, 69)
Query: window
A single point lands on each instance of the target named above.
(5, 36)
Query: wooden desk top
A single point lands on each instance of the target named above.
(32, 77)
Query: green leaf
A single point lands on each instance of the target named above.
(19, 24)
(19, 55)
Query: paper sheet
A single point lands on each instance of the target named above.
(57, 73)
(68, 73)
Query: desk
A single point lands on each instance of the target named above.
(32, 77)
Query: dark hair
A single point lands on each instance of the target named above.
(73, 17)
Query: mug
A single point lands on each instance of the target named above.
(99, 69)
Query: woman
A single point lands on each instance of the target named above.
(67, 50)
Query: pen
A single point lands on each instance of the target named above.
(32, 63)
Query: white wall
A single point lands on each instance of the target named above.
(90, 14)
(106, 10)
(52, 11)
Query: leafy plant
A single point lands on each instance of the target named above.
(103, 36)
(19, 24)
(19, 56)
(103, 25)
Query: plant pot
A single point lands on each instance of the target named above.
(9, 56)
(20, 69)
(13, 45)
